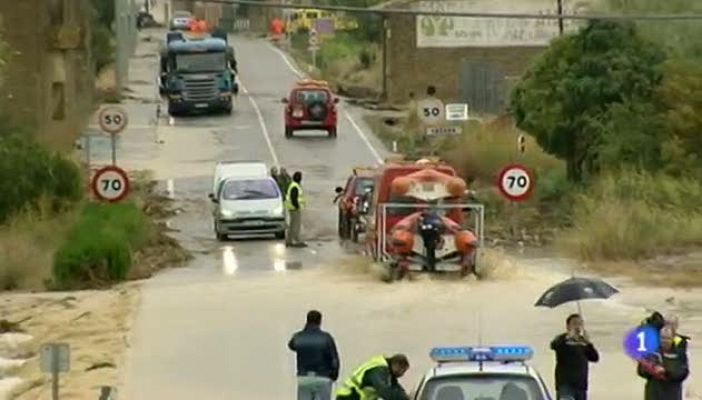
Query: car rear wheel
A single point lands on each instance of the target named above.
(354, 230)
(288, 133)
(332, 133)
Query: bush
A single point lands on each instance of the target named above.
(29, 173)
(634, 215)
(100, 246)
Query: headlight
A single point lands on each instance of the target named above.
(226, 213)
(277, 211)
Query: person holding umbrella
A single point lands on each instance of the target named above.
(574, 352)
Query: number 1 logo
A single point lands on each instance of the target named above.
(641, 342)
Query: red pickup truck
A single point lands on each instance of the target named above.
(350, 200)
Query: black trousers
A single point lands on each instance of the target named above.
(567, 391)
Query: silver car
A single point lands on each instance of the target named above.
(248, 206)
(485, 373)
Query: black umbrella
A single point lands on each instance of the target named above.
(575, 289)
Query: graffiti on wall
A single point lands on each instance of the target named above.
(440, 31)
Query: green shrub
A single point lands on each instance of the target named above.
(29, 172)
(99, 248)
(633, 215)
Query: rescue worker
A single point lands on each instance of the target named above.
(277, 28)
(294, 203)
(680, 341)
(666, 371)
(574, 352)
(376, 378)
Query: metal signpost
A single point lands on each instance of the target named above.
(313, 45)
(54, 359)
(113, 120)
(110, 184)
(515, 182)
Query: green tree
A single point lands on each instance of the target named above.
(565, 100)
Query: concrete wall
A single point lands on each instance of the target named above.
(411, 69)
(49, 80)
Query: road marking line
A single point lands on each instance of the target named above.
(287, 61)
(170, 189)
(355, 126)
(261, 122)
(363, 137)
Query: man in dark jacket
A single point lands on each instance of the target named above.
(666, 371)
(376, 379)
(573, 353)
(317, 359)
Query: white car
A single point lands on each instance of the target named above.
(247, 200)
(482, 373)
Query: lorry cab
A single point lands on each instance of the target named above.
(247, 201)
(197, 72)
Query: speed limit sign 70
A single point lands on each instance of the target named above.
(110, 184)
(515, 182)
(112, 119)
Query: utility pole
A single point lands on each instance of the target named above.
(385, 34)
(560, 20)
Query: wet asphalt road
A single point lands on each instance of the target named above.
(183, 163)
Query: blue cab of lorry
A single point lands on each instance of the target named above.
(198, 73)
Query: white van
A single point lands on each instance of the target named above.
(247, 200)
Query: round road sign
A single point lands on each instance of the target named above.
(431, 110)
(515, 182)
(110, 184)
(314, 41)
(112, 119)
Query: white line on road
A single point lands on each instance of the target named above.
(287, 61)
(355, 126)
(363, 137)
(261, 122)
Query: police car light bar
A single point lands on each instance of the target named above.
(495, 353)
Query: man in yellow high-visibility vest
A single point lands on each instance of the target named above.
(376, 378)
(294, 203)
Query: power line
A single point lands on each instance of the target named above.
(395, 11)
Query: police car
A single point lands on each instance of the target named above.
(482, 373)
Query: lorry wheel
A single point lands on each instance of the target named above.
(288, 133)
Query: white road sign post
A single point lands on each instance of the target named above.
(457, 112)
(113, 120)
(515, 182)
(54, 359)
(110, 184)
(313, 42)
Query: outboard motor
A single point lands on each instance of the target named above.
(430, 228)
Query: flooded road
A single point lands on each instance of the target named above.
(218, 328)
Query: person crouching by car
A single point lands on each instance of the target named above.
(666, 370)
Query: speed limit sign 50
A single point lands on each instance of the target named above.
(431, 111)
(112, 119)
(515, 182)
(110, 184)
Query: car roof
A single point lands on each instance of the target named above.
(487, 367)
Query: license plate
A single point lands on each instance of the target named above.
(428, 187)
(253, 223)
(201, 105)
(311, 122)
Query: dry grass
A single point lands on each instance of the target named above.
(635, 216)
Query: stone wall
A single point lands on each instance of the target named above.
(49, 79)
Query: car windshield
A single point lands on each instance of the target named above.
(362, 185)
(483, 387)
(201, 62)
(310, 96)
(254, 189)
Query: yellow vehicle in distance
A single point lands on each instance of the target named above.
(304, 19)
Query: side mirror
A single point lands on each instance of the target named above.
(284, 100)
(212, 198)
(338, 190)
(336, 100)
